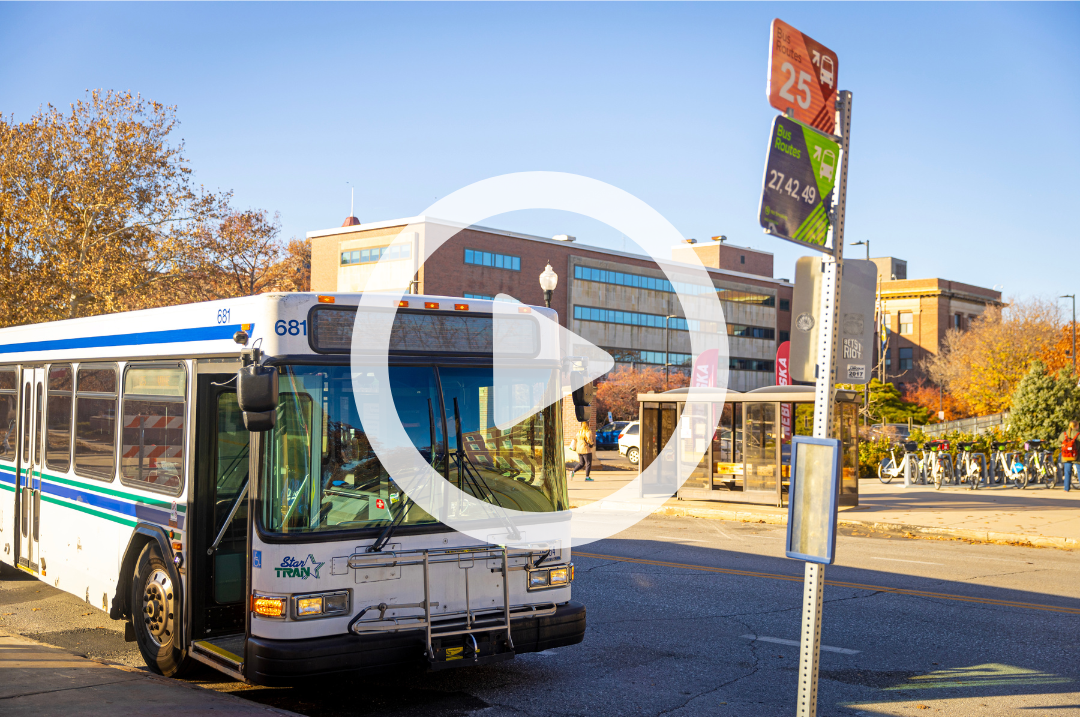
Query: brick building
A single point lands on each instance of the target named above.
(617, 300)
(918, 312)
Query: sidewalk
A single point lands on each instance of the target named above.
(33, 673)
(1033, 516)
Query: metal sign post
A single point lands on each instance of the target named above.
(810, 641)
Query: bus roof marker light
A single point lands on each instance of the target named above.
(431, 304)
(403, 304)
(326, 299)
(461, 307)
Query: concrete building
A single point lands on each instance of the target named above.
(918, 313)
(617, 300)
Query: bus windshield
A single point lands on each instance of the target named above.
(321, 474)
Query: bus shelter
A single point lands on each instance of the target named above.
(747, 459)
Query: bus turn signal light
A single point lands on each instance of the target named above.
(268, 606)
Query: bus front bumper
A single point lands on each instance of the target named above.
(280, 662)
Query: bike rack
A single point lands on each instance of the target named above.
(467, 622)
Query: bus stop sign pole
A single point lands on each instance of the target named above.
(814, 584)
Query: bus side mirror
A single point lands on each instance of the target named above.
(257, 394)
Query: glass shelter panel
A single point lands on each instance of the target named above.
(761, 446)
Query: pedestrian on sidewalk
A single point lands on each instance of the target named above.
(584, 445)
(1070, 444)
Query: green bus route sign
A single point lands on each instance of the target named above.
(800, 172)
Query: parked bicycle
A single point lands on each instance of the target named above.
(1001, 462)
(939, 467)
(889, 468)
(1038, 466)
(970, 466)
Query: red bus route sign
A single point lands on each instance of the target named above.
(802, 77)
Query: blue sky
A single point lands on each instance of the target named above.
(964, 154)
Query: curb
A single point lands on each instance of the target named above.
(904, 530)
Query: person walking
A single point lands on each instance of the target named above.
(585, 443)
(1070, 444)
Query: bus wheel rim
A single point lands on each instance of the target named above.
(159, 608)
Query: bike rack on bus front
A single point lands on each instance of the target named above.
(468, 622)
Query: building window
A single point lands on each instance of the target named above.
(906, 363)
(745, 364)
(958, 322)
(652, 283)
(374, 254)
(905, 323)
(742, 259)
(785, 336)
(785, 305)
(751, 332)
(627, 318)
(487, 258)
(888, 359)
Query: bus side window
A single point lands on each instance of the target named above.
(152, 451)
(9, 414)
(95, 421)
(58, 418)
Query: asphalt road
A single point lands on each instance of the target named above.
(674, 607)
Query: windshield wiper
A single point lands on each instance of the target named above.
(466, 470)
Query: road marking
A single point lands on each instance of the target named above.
(901, 560)
(836, 583)
(795, 643)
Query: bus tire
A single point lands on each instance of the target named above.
(155, 607)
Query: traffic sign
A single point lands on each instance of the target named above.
(796, 199)
(802, 77)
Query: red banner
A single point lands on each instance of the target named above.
(704, 373)
(783, 378)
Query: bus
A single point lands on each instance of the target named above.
(204, 473)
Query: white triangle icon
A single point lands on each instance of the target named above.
(536, 362)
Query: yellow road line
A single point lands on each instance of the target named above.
(836, 583)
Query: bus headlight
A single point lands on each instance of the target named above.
(555, 577)
(321, 604)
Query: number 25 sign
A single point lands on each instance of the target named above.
(802, 77)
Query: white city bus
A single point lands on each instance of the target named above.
(124, 479)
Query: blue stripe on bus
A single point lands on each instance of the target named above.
(204, 333)
(136, 510)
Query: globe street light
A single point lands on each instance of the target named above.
(548, 281)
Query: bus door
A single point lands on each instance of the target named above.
(29, 470)
(219, 530)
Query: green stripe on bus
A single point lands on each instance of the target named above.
(90, 511)
(180, 507)
(5, 486)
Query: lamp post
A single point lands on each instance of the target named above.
(548, 281)
(1073, 297)
(667, 350)
(863, 243)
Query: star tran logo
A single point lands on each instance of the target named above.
(303, 569)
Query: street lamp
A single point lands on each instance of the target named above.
(863, 243)
(548, 281)
(1073, 297)
(667, 350)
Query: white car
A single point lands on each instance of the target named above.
(630, 442)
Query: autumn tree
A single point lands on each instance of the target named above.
(618, 392)
(98, 209)
(1058, 355)
(983, 366)
(241, 255)
(1044, 403)
(933, 398)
